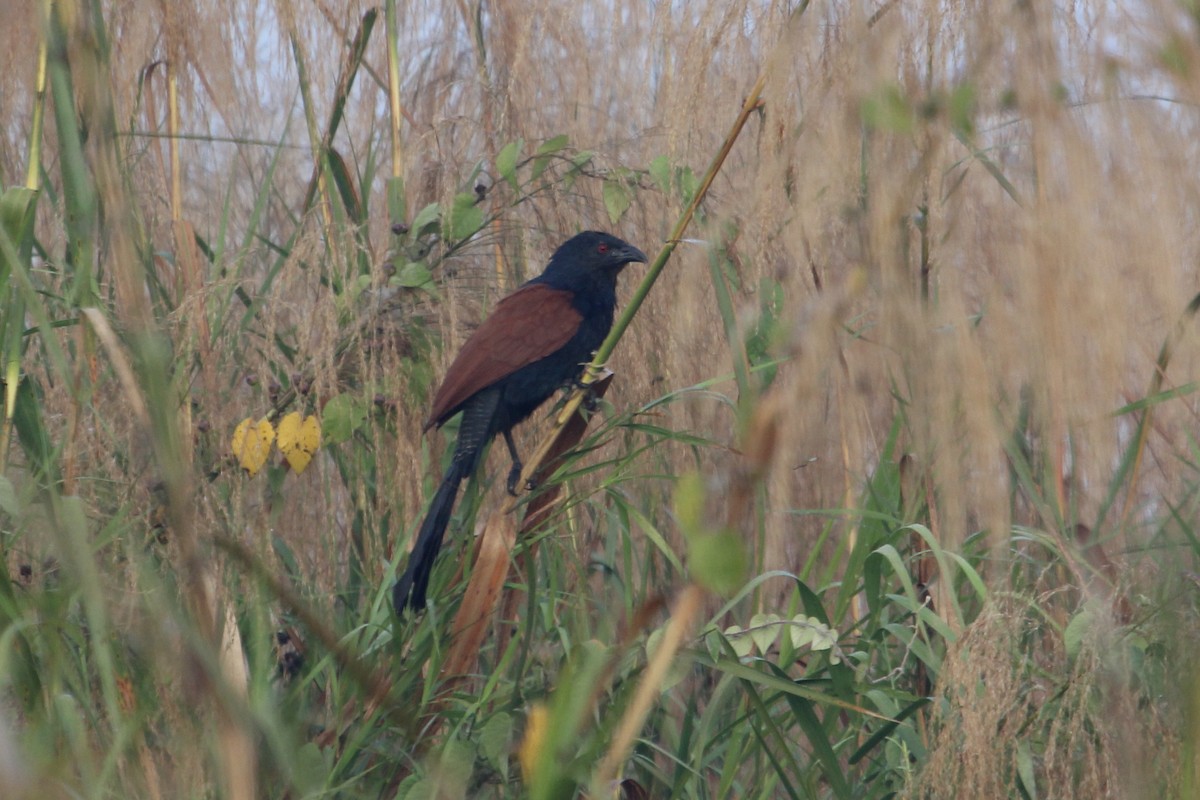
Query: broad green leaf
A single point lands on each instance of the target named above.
(420, 789)
(814, 633)
(496, 741)
(553, 145)
(548, 148)
(616, 200)
(426, 220)
(343, 415)
(577, 163)
(660, 171)
(739, 640)
(800, 632)
(689, 504)
(506, 162)
(359, 285)
(764, 630)
(312, 767)
(412, 275)
(688, 184)
(718, 562)
(962, 108)
(465, 218)
(455, 767)
(1025, 769)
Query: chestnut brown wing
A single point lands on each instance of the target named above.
(530, 324)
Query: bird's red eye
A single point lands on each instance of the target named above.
(602, 248)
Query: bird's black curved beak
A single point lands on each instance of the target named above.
(629, 254)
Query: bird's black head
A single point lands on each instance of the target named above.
(591, 254)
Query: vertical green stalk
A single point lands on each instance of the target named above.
(16, 226)
(310, 118)
(397, 202)
(595, 370)
(79, 195)
(685, 219)
(33, 168)
(17, 208)
(80, 200)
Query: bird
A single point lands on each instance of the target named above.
(537, 340)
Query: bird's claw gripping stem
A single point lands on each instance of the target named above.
(514, 477)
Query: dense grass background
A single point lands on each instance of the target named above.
(898, 462)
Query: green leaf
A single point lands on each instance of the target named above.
(17, 206)
(454, 768)
(16, 211)
(688, 184)
(343, 180)
(660, 171)
(496, 741)
(506, 162)
(739, 640)
(577, 163)
(420, 789)
(616, 200)
(888, 110)
(679, 666)
(1025, 770)
(689, 504)
(465, 218)
(32, 433)
(359, 285)
(817, 635)
(548, 148)
(718, 562)
(818, 739)
(412, 275)
(8, 498)
(553, 145)
(343, 415)
(426, 221)
(962, 108)
(764, 630)
(311, 768)
(800, 633)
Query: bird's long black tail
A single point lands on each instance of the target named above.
(410, 589)
(476, 429)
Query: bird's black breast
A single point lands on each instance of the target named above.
(529, 387)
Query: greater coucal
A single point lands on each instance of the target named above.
(537, 340)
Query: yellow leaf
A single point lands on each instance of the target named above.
(534, 740)
(299, 438)
(252, 444)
